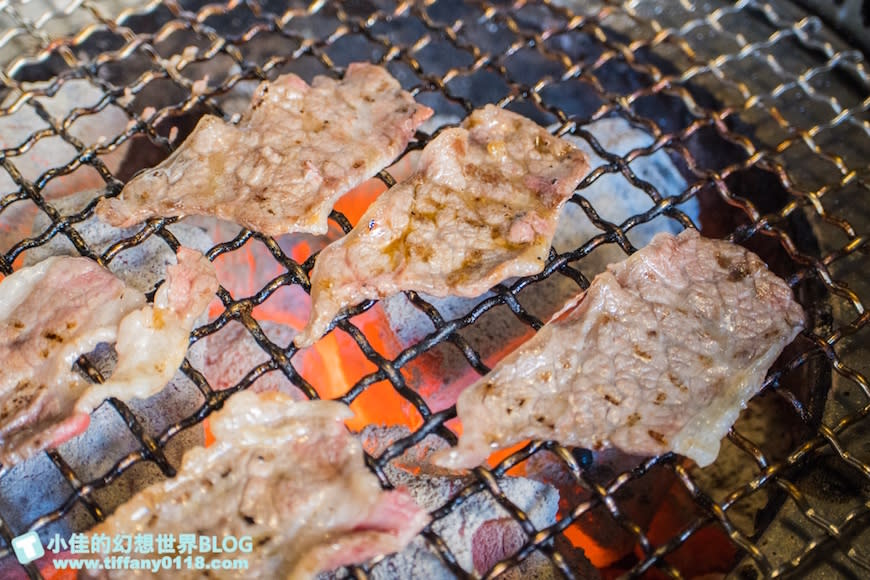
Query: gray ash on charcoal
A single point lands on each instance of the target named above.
(479, 532)
(141, 266)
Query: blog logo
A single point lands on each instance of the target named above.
(27, 547)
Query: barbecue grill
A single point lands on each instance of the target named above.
(761, 108)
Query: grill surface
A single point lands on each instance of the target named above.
(762, 109)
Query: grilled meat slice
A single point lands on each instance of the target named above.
(55, 311)
(287, 476)
(50, 314)
(152, 341)
(282, 168)
(481, 208)
(659, 354)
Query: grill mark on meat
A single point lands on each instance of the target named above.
(53, 336)
(675, 380)
(642, 354)
(43, 402)
(657, 437)
(37, 387)
(680, 387)
(481, 208)
(291, 477)
(297, 150)
(738, 272)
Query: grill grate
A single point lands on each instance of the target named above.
(762, 109)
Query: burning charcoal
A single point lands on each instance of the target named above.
(708, 553)
(604, 538)
(575, 558)
(480, 532)
(775, 439)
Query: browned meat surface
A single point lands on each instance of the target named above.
(282, 168)
(61, 308)
(659, 354)
(286, 475)
(481, 208)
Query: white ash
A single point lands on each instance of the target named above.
(179, 399)
(615, 199)
(435, 486)
(437, 121)
(238, 100)
(140, 267)
(19, 504)
(103, 440)
(230, 353)
(53, 151)
(432, 487)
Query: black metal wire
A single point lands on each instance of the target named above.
(658, 62)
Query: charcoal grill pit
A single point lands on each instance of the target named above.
(756, 110)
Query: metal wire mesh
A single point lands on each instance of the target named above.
(759, 105)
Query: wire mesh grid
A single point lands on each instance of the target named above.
(762, 82)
